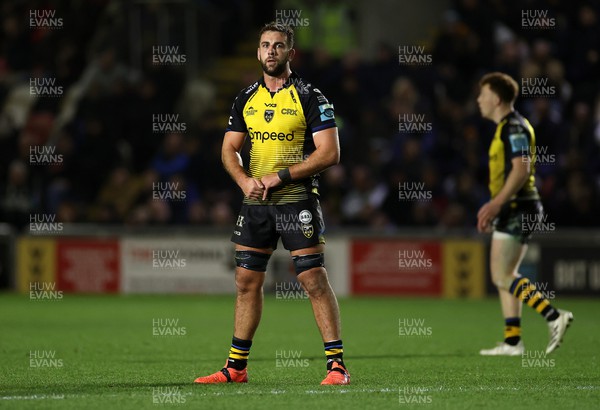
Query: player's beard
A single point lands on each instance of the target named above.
(274, 71)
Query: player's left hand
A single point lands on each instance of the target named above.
(486, 215)
(270, 181)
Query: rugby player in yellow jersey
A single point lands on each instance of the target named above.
(293, 136)
(514, 203)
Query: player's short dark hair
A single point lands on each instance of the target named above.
(282, 28)
(503, 85)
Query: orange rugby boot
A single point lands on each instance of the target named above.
(225, 375)
(337, 375)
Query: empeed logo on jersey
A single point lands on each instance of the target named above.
(273, 136)
(326, 112)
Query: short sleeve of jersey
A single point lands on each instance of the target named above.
(236, 118)
(318, 111)
(517, 139)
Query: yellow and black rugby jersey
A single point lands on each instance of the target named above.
(514, 138)
(280, 126)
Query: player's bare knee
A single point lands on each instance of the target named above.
(314, 281)
(316, 289)
(248, 281)
(502, 280)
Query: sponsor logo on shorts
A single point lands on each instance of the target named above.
(240, 221)
(305, 216)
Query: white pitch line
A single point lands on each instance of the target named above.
(278, 392)
(34, 397)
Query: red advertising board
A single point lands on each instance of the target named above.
(394, 267)
(88, 265)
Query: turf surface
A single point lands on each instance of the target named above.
(99, 352)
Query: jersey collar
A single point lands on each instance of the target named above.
(293, 78)
(510, 114)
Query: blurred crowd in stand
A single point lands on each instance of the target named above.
(111, 166)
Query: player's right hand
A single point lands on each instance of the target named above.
(252, 188)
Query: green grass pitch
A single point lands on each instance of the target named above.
(99, 352)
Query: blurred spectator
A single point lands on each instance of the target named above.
(114, 161)
(364, 198)
(116, 196)
(172, 158)
(17, 195)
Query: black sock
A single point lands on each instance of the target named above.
(334, 351)
(238, 353)
(512, 330)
